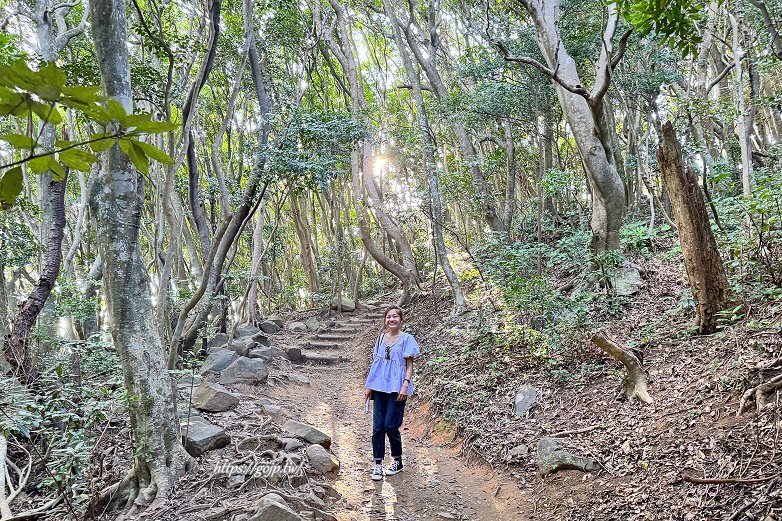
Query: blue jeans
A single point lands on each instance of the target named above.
(387, 418)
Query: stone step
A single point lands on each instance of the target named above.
(322, 359)
(314, 344)
(361, 320)
(333, 337)
(342, 330)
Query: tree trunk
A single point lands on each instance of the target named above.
(15, 345)
(117, 196)
(586, 116)
(190, 106)
(745, 118)
(510, 183)
(701, 257)
(367, 185)
(305, 245)
(425, 134)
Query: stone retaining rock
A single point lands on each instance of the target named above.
(269, 327)
(242, 331)
(293, 354)
(276, 319)
(322, 459)
(266, 353)
(553, 457)
(250, 371)
(201, 437)
(217, 361)
(269, 510)
(218, 340)
(312, 324)
(307, 432)
(298, 326)
(212, 397)
(241, 346)
(262, 339)
(347, 304)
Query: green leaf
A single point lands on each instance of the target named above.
(97, 114)
(77, 159)
(117, 111)
(19, 141)
(153, 152)
(82, 95)
(10, 186)
(143, 124)
(63, 143)
(102, 144)
(48, 114)
(136, 155)
(58, 174)
(38, 165)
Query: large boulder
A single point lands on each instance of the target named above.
(250, 371)
(200, 437)
(323, 461)
(269, 327)
(553, 457)
(212, 397)
(217, 361)
(347, 304)
(627, 281)
(307, 432)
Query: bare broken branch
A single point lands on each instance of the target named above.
(635, 381)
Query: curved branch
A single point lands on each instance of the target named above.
(551, 73)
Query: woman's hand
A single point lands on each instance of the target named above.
(367, 394)
(402, 396)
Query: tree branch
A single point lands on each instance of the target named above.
(575, 89)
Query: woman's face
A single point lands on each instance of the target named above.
(393, 319)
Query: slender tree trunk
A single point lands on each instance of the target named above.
(305, 244)
(252, 311)
(117, 203)
(701, 256)
(190, 106)
(510, 183)
(429, 149)
(746, 112)
(15, 345)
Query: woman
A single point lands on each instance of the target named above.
(389, 383)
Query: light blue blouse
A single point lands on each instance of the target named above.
(388, 375)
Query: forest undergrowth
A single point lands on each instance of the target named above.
(689, 455)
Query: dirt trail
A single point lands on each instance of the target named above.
(436, 483)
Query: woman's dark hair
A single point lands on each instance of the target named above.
(392, 308)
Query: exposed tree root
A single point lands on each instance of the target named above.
(763, 395)
(7, 482)
(635, 382)
(145, 489)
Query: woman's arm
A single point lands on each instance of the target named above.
(408, 375)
